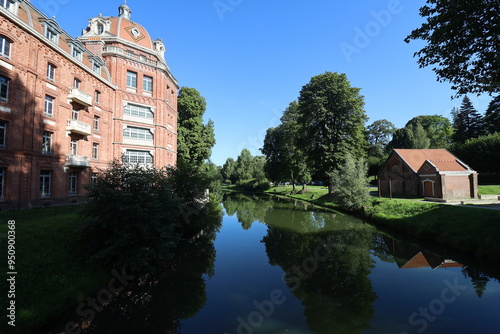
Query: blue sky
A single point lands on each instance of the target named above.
(250, 59)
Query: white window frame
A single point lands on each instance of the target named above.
(51, 71)
(137, 157)
(147, 84)
(132, 79)
(45, 183)
(73, 183)
(47, 137)
(3, 134)
(97, 123)
(93, 178)
(4, 88)
(48, 109)
(138, 111)
(95, 151)
(136, 133)
(73, 147)
(74, 114)
(5, 46)
(97, 97)
(77, 83)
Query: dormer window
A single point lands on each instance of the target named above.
(10, 5)
(51, 29)
(97, 64)
(100, 28)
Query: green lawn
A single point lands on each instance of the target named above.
(489, 190)
(52, 273)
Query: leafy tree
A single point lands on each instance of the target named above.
(463, 43)
(284, 152)
(467, 122)
(481, 154)
(492, 116)
(195, 139)
(351, 184)
(438, 129)
(228, 171)
(132, 216)
(249, 171)
(412, 136)
(244, 165)
(332, 118)
(379, 134)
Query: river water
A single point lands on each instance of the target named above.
(275, 266)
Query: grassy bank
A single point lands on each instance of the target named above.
(471, 230)
(52, 273)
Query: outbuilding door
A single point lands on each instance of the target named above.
(428, 189)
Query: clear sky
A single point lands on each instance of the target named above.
(250, 58)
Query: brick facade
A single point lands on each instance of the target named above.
(66, 112)
(427, 173)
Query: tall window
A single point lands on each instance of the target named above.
(95, 151)
(97, 121)
(51, 34)
(137, 157)
(45, 183)
(3, 134)
(2, 182)
(49, 106)
(131, 79)
(73, 147)
(96, 68)
(4, 88)
(93, 178)
(77, 83)
(5, 3)
(147, 84)
(74, 114)
(47, 142)
(73, 183)
(137, 133)
(100, 28)
(97, 97)
(4, 47)
(76, 53)
(51, 72)
(138, 111)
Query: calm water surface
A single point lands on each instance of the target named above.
(282, 267)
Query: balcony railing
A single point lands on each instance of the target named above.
(77, 161)
(79, 127)
(80, 97)
(135, 57)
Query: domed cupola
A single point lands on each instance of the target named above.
(124, 11)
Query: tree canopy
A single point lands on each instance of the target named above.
(492, 116)
(467, 122)
(195, 139)
(463, 43)
(331, 117)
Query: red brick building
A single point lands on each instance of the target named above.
(69, 106)
(427, 173)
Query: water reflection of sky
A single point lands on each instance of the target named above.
(407, 300)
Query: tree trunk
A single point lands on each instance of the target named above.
(294, 187)
(303, 186)
(330, 189)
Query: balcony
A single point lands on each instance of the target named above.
(79, 127)
(80, 97)
(77, 161)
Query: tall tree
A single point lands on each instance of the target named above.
(228, 170)
(463, 43)
(467, 122)
(379, 134)
(195, 139)
(332, 118)
(284, 152)
(438, 129)
(492, 116)
(412, 136)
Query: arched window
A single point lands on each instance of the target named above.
(395, 169)
(100, 28)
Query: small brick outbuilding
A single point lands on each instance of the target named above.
(427, 173)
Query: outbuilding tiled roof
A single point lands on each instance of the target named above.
(442, 159)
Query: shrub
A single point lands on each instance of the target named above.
(132, 216)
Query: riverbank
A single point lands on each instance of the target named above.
(471, 230)
(52, 270)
